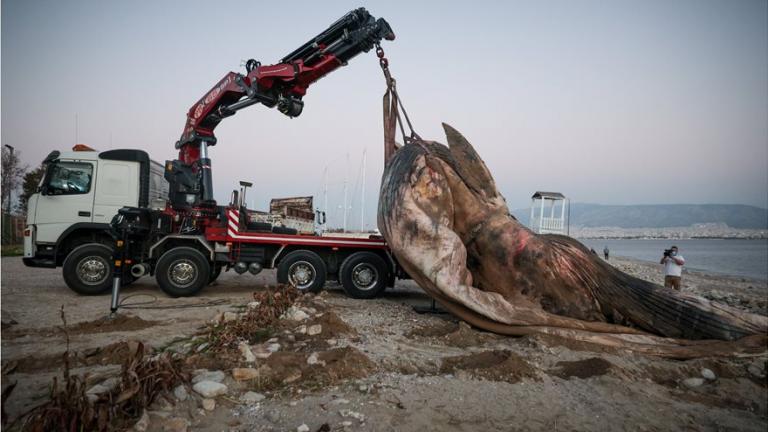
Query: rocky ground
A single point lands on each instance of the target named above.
(334, 363)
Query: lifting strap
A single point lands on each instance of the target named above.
(392, 105)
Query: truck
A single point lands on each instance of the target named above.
(68, 218)
(186, 239)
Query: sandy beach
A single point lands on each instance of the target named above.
(379, 366)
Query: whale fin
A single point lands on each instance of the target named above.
(471, 167)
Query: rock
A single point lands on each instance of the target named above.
(245, 350)
(693, 382)
(708, 374)
(260, 352)
(210, 389)
(314, 329)
(293, 377)
(253, 305)
(181, 393)
(313, 359)
(346, 423)
(94, 392)
(331, 342)
(273, 416)
(175, 424)
(209, 404)
(273, 347)
(355, 415)
(272, 340)
(229, 316)
(363, 388)
(295, 314)
(206, 375)
(252, 397)
(757, 368)
(341, 401)
(246, 374)
(143, 423)
(302, 329)
(302, 428)
(202, 347)
(290, 337)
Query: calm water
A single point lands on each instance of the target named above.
(748, 258)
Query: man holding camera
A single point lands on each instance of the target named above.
(673, 268)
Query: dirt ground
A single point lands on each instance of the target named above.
(379, 366)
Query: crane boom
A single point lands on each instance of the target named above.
(281, 85)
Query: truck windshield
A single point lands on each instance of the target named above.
(66, 178)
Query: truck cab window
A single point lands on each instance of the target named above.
(68, 178)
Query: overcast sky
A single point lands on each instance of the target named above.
(620, 102)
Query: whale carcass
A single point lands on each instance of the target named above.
(450, 229)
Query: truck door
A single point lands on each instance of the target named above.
(66, 198)
(117, 185)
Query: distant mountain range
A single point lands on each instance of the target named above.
(661, 215)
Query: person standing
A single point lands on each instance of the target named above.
(673, 268)
(606, 252)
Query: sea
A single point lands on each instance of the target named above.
(735, 257)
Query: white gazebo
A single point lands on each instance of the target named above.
(544, 218)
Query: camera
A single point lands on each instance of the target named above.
(667, 252)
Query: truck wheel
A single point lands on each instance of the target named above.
(363, 275)
(182, 272)
(302, 269)
(214, 274)
(88, 269)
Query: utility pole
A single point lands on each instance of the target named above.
(346, 171)
(325, 192)
(362, 198)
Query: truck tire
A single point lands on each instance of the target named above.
(88, 269)
(302, 269)
(363, 275)
(182, 272)
(214, 274)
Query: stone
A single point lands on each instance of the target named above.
(209, 404)
(757, 369)
(295, 376)
(346, 423)
(302, 428)
(353, 414)
(273, 347)
(252, 397)
(202, 347)
(245, 350)
(331, 342)
(253, 305)
(175, 424)
(229, 316)
(181, 393)
(313, 359)
(210, 389)
(273, 416)
(708, 374)
(341, 401)
(260, 352)
(295, 314)
(302, 329)
(314, 329)
(206, 375)
(363, 388)
(143, 423)
(693, 382)
(247, 374)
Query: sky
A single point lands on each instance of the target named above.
(620, 102)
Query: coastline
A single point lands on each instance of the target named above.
(742, 292)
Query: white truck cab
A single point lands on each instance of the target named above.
(68, 218)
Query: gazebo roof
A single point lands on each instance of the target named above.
(552, 195)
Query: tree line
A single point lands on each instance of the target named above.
(18, 182)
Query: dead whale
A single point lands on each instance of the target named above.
(450, 229)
